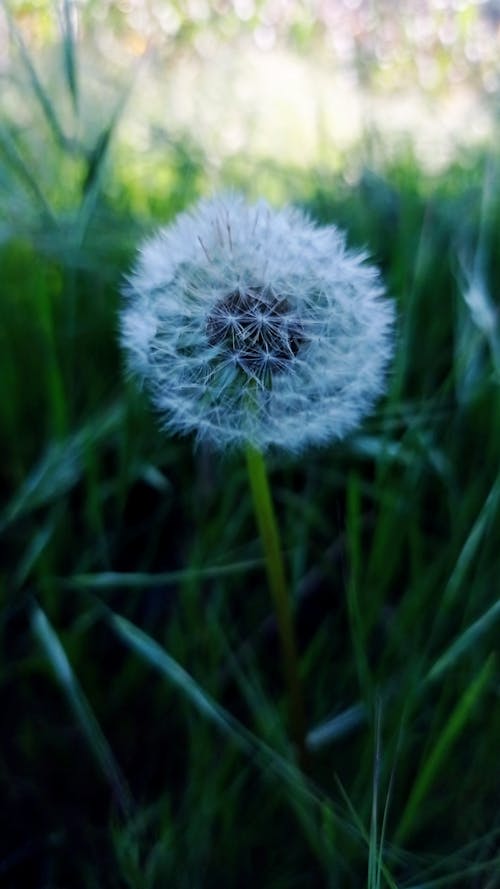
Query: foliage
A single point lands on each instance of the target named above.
(144, 734)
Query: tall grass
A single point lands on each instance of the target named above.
(144, 739)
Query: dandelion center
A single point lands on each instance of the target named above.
(257, 327)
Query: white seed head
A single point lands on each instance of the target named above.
(253, 325)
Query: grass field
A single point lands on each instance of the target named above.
(144, 731)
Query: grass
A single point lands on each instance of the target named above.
(144, 738)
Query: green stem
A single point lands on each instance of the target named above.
(268, 529)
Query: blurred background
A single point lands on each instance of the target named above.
(144, 732)
(297, 84)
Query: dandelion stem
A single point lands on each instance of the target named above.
(268, 529)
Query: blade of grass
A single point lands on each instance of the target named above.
(264, 713)
(96, 158)
(115, 579)
(361, 828)
(15, 161)
(464, 642)
(352, 717)
(383, 832)
(385, 815)
(269, 725)
(337, 727)
(458, 861)
(34, 549)
(61, 467)
(446, 739)
(40, 93)
(57, 402)
(84, 715)
(473, 870)
(471, 546)
(263, 755)
(374, 854)
(66, 23)
(149, 650)
(354, 545)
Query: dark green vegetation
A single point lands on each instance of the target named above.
(144, 737)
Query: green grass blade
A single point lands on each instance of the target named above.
(268, 759)
(305, 800)
(61, 467)
(66, 21)
(383, 833)
(374, 854)
(137, 580)
(84, 715)
(467, 640)
(96, 159)
(35, 548)
(15, 161)
(337, 727)
(473, 870)
(462, 862)
(437, 755)
(362, 830)
(352, 717)
(154, 654)
(471, 545)
(354, 544)
(42, 97)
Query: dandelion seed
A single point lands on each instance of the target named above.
(275, 335)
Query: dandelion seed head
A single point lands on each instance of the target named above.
(254, 325)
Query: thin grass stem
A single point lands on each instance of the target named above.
(269, 533)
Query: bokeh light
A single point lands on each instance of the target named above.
(288, 80)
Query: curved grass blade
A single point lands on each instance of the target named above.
(337, 727)
(141, 580)
(267, 758)
(471, 546)
(150, 651)
(67, 15)
(96, 157)
(464, 642)
(39, 91)
(447, 737)
(36, 546)
(61, 467)
(362, 830)
(84, 715)
(349, 719)
(16, 162)
(442, 870)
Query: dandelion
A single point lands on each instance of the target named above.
(254, 327)
(250, 325)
